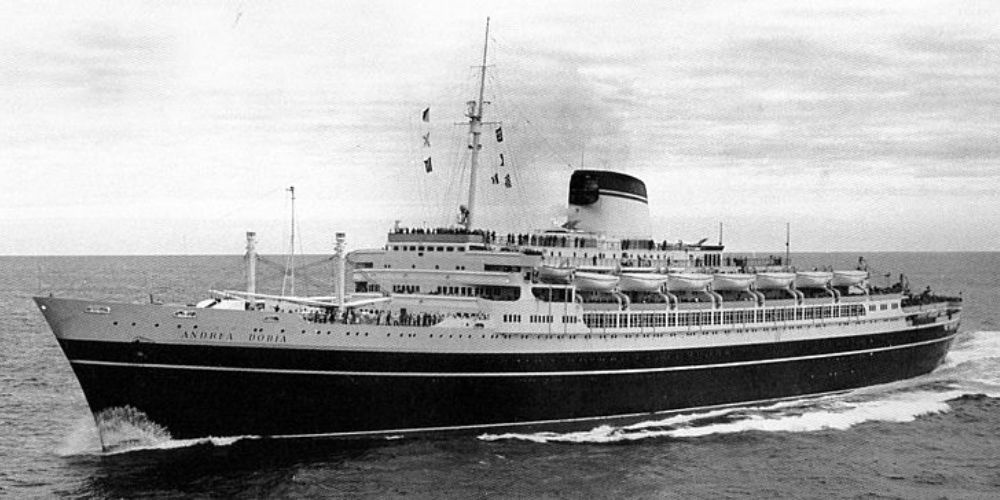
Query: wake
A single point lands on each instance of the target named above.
(125, 430)
(972, 367)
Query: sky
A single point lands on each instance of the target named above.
(174, 127)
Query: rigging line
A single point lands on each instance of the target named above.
(499, 84)
(298, 234)
(301, 280)
(520, 217)
(302, 267)
(316, 283)
(453, 195)
(417, 168)
(464, 166)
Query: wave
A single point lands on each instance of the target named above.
(125, 430)
(972, 367)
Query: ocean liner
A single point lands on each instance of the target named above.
(464, 329)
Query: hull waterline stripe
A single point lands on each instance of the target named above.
(626, 371)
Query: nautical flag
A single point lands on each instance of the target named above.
(427, 165)
(427, 140)
(499, 134)
(426, 115)
(501, 159)
(495, 178)
(506, 181)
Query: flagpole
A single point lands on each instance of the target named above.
(475, 129)
(788, 242)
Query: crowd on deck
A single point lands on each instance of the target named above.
(387, 318)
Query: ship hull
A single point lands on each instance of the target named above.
(197, 391)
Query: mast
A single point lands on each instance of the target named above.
(341, 279)
(251, 269)
(289, 278)
(475, 115)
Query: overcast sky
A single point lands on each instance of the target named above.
(163, 128)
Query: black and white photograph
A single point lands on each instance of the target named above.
(387, 249)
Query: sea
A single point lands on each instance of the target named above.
(935, 436)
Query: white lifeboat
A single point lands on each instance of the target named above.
(849, 278)
(594, 281)
(688, 282)
(813, 279)
(555, 275)
(732, 282)
(642, 282)
(774, 281)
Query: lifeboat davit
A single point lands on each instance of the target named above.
(642, 282)
(813, 279)
(732, 282)
(849, 278)
(555, 275)
(594, 281)
(688, 282)
(774, 281)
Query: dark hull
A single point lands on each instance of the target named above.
(197, 391)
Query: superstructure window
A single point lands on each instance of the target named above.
(499, 293)
(501, 268)
(547, 294)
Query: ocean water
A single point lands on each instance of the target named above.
(937, 436)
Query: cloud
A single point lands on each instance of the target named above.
(107, 62)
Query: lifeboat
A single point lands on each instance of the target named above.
(642, 282)
(555, 275)
(774, 281)
(688, 282)
(849, 278)
(732, 282)
(594, 281)
(812, 279)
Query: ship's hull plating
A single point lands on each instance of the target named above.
(197, 391)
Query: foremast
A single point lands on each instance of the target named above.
(475, 115)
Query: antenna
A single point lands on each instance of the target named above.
(476, 129)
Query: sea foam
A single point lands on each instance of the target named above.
(124, 430)
(973, 367)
